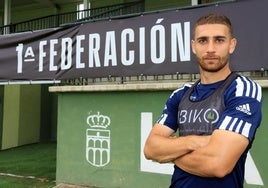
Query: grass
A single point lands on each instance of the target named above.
(34, 165)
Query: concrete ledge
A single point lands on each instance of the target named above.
(263, 83)
(117, 87)
(130, 87)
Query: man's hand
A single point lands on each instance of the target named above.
(217, 158)
(162, 147)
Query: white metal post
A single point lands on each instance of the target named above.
(7, 13)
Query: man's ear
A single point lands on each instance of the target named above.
(193, 46)
(232, 45)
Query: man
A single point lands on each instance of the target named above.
(216, 118)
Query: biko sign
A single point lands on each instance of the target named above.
(157, 45)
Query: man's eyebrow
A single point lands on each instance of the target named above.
(215, 37)
(220, 36)
(202, 38)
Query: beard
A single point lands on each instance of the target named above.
(213, 64)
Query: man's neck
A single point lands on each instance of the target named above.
(212, 77)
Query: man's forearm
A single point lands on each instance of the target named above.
(163, 150)
(217, 158)
(166, 149)
(196, 163)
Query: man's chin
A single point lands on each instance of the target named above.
(212, 69)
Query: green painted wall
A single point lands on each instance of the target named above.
(259, 151)
(48, 111)
(28, 114)
(1, 112)
(21, 115)
(11, 117)
(124, 110)
(125, 135)
(30, 107)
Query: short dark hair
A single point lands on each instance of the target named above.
(215, 18)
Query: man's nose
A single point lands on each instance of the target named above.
(211, 47)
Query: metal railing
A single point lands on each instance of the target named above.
(57, 20)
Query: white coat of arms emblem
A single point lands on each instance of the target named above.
(98, 140)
